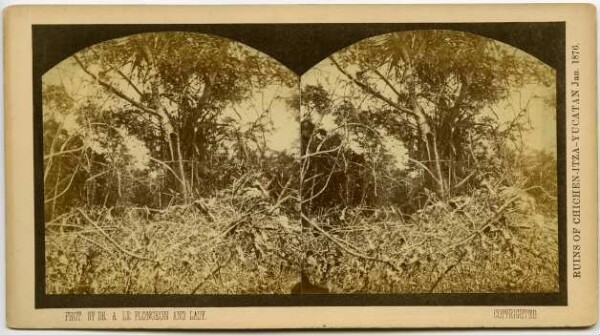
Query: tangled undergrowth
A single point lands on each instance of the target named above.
(221, 245)
(485, 242)
(480, 243)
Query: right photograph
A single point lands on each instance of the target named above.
(428, 165)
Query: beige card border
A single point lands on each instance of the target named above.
(580, 20)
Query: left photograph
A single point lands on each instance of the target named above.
(170, 167)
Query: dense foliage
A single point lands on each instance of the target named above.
(408, 162)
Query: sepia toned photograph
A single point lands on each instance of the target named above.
(184, 163)
(302, 167)
(169, 168)
(429, 165)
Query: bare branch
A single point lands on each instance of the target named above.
(110, 238)
(167, 167)
(373, 92)
(128, 80)
(347, 248)
(114, 90)
(58, 153)
(64, 191)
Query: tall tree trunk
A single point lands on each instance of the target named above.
(173, 137)
(184, 183)
(441, 190)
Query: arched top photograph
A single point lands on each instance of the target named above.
(432, 146)
(279, 167)
(165, 143)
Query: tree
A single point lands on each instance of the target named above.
(435, 92)
(193, 101)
